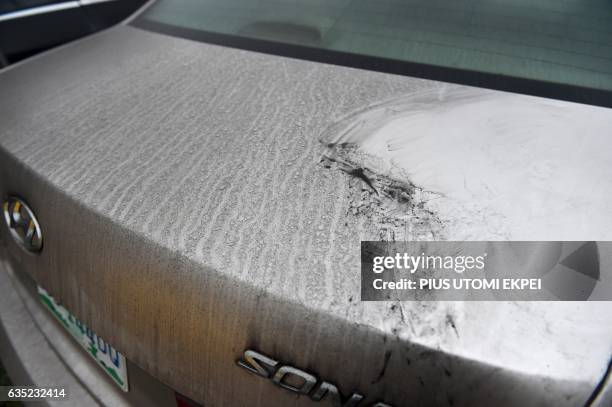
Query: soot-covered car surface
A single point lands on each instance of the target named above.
(201, 208)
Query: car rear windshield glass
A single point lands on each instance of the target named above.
(564, 42)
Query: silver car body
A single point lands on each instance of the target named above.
(187, 218)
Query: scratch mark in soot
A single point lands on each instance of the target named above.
(381, 374)
(394, 206)
(450, 321)
(359, 173)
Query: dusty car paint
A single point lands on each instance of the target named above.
(187, 218)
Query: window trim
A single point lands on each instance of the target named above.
(570, 93)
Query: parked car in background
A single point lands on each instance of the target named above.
(28, 27)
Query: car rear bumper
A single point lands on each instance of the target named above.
(37, 351)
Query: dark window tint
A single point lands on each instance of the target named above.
(565, 42)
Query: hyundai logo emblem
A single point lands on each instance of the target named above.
(22, 224)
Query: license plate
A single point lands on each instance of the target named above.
(107, 357)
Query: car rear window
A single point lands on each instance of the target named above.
(560, 48)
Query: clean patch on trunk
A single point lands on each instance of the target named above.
(464, 163)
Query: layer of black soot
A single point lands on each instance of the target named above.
(392, 206)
